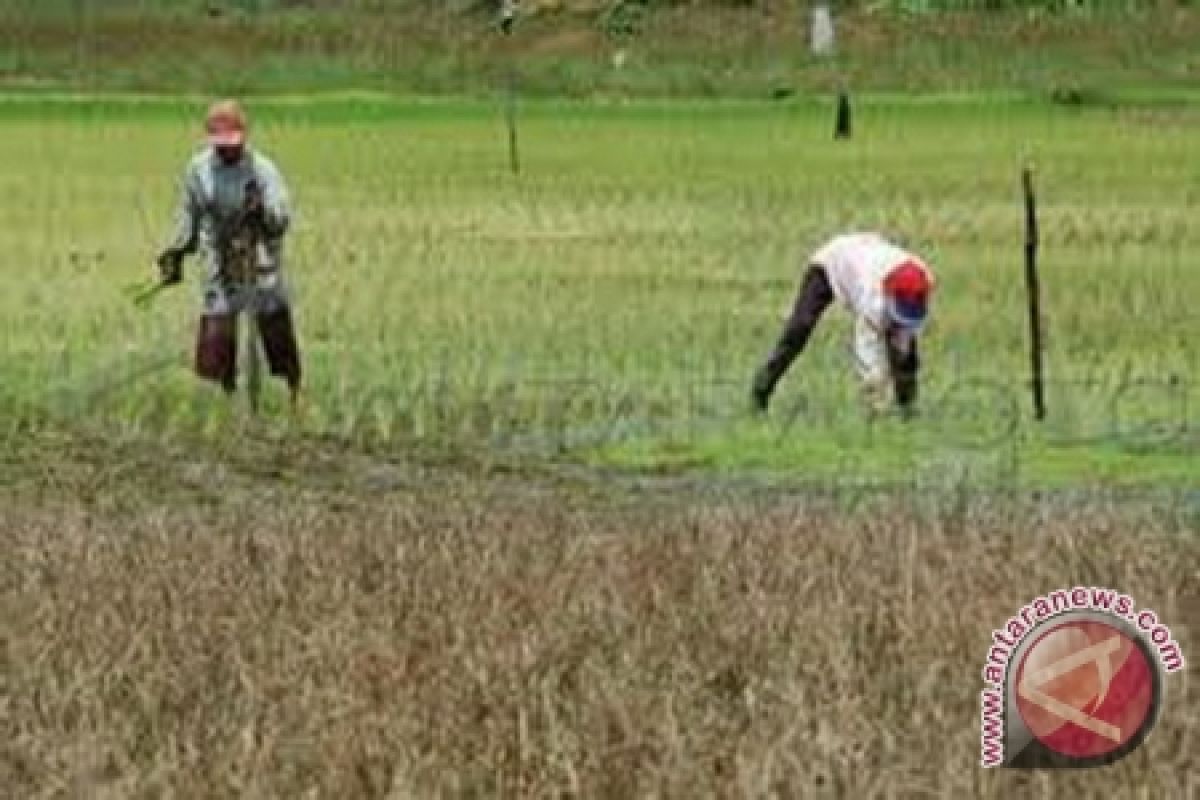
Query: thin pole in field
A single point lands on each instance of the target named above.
(775, 44)
(823, 44)
(1033, 289)
(508, 14)
(842, 126)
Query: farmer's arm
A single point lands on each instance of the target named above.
(871, 360)
(187, 228)
(904, 363)
(187, 218)
(276, 205)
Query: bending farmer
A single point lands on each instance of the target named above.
(886, 289)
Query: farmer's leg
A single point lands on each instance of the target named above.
(278, 331)
(814, 297)
(216, 350)
(279, 341)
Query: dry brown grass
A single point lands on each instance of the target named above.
(492, 638)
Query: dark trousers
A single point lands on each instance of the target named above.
(814, 297)
(216, 348)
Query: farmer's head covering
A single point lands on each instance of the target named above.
(907, 289)
(226, 124)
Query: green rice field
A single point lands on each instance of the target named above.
(609, 303)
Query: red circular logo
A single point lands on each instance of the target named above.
(1086, 689)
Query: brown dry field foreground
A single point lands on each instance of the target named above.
(308, 625)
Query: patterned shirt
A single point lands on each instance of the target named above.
(211, 199)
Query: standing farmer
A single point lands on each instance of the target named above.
(229, 189)
(887, 290)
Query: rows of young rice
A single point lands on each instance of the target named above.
(626, 284)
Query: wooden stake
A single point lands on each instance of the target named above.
(507, 19)
(841, 129)
(1033, 289)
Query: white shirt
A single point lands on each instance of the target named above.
(856, 264)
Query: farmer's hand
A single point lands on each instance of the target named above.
(170, 267)
(252, 204)
(875, 398)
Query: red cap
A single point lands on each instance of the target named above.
(909, 281)
(907, 288)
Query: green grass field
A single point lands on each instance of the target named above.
(610, 303)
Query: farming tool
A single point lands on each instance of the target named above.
(143, 293)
